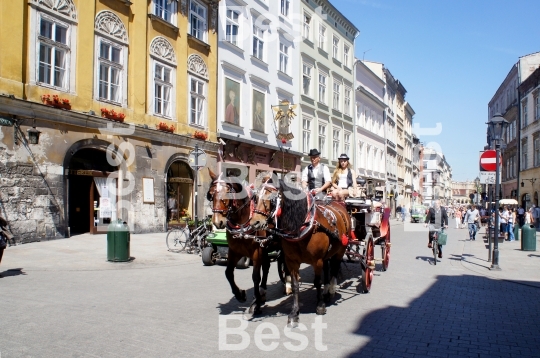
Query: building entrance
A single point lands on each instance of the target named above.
(91, 195)
(179, 193)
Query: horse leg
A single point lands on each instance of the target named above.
(326, 273)
(294, 318)
(232, 260)
(265, 270)
(255, 307)
(318, 268)
(287, 284)
(335, 265)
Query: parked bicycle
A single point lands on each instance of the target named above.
(190, 241)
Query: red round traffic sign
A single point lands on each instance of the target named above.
(488, 161)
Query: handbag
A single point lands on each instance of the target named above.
(443, 236)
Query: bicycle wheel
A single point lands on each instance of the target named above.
(176, 240)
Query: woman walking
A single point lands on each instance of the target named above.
(457, 216)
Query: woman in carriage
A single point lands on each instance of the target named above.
(344, 180)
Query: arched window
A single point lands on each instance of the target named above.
(53, 29)
(163, 78)
(198, 87)
(110, 58)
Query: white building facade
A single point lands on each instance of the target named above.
(370, 153)
(258, 66)
(327, 84)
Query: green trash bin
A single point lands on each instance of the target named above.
(516, 232)
(528, 237)
(118, 237)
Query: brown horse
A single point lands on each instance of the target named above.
(311, 233)
(232, 209)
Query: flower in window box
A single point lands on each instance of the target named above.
(46, 98)
(55, 98)
(104, 112)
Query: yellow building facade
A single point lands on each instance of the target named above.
(118, 93)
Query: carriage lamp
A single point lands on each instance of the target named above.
(531, 180)
(33, 135)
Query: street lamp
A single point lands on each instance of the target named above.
(477, 184)
(531, 180)
(496, 131)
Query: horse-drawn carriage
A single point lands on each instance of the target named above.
(319, 233)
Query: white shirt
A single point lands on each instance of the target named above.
(320, 172)
(342, 183)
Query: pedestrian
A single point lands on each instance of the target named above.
(472, 217)
(403, 213)
(503, 220)
(5, 236)
(510, 226)
(457, 216)
(521, 215)
(528, 217)
(437, 218)
(398, 212)
(536, 216)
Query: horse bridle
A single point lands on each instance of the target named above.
(269, 212)
(228, 210)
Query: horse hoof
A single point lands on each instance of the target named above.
(241, 296)
(292, 322)
(321, 310)
(262, 292)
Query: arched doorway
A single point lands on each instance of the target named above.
(526, 201)
(90, 200)
(179, 192)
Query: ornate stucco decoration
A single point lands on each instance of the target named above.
(213, 19)
(110, 25)
(197, 66)
(65, 8)
(184, 7)
(162, 49)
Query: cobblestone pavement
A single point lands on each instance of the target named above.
(62, 299)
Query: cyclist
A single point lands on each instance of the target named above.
(436, 218)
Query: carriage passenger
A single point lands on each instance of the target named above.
(343, 183)
(316, 176)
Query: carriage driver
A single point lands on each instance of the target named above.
(316, 176)
(436, 218)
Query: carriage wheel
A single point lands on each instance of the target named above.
(386, 251)
(367, 271)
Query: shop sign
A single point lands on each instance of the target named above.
(181, 180)
(81, 172)
(7, 122)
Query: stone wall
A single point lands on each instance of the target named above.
(30, 199)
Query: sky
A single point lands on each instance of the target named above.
(451, 56)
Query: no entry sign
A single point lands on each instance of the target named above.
(487, 161)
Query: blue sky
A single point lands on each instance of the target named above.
(451, 56)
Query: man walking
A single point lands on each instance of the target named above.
(521, 216)
(471, 218)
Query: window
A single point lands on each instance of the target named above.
(306, 79)
(536, 145)
(322, 139)
(231, 28)
(197, 102)
(110, 71)
(306, 134)
(285, 7)
(336, 133)
(258, 42)
(322, 37)
(524, 156)
(197, 20)
(346, 50)
(347, 143)
(54, 51)
(306, 26)
(337, 89)
(347, 104)
(536, 107)
(162, 90)
(322, 88)
(283, 57)
(166, 9)
(524, 118)
(335, 49)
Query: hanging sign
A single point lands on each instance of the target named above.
(105, 208)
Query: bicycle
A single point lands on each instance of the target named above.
(435, 244)
(182, 239)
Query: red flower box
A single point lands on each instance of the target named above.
(200, 135)
(56, 101)
(162, 126)
(112, 115)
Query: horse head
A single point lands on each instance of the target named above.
(265, 206)
(294, 206)
(230, 201)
